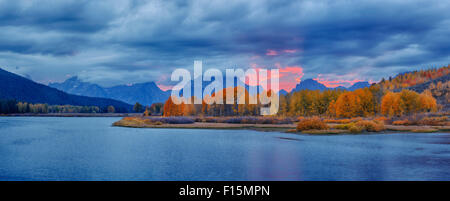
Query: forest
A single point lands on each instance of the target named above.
(387, 98)
(12, 106)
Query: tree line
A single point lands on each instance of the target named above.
(378, 99)
(12, 106)
(409, 79)
(204, 109)
(365, 102)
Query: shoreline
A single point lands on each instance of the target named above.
(286, 128)
(73, 115)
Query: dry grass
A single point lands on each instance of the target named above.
(306, 125)
(313, 123)
(402, 122)
(423, 120)
(151, 121)
(434, 121)
(246, 120)
(416, 128)
(361, 126)
(146, 123)
(343, 121)
(131, 122)
(430, 130)
(382, 119)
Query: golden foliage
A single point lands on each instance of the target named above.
(362, 125)
(415, 77)
(407, 102)
(313, 123)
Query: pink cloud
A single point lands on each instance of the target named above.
(290, 50)
(288, 78)
(332, 81)
(271, 53)
(163, 78)
(164, 87)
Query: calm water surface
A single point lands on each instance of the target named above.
(52, 148)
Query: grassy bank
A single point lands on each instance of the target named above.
(329, 128)
(137, 122)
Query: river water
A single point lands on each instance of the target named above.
(89, 148)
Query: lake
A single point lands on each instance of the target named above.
(89, 148)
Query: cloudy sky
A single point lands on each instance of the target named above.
(130, 41)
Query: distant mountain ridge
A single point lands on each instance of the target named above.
(310, 84)
(148, 92)
(253, 90)
(145, 93)
(22, 89)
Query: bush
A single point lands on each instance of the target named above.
(355, 129)
(344, 126)
(338, 121)
(371, 126)
(314, 123)
(382, 119)
(402, 122)
(343, 121)
(363, 125)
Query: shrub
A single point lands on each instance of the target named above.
(382, 119)
(314, 123)
(338, 121)
(371, 126)
(402, 122)
(344, 126)
(363, 125)
(301, 118)
(343, 121)
(355, 129)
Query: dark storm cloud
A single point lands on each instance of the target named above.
(71, 16)
(125, 38)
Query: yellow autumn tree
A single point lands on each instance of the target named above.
(348, 105)
(426, 102)
(407, 102)
(390, 105)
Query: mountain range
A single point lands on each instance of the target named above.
(311, 84)
(144, 93)
(148, 93)
(22, 89)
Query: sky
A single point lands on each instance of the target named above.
(133, 41)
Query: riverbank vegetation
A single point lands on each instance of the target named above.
(313, 125)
